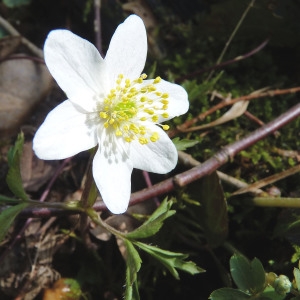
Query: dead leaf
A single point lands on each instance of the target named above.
(236, 110)
(34, 171)
(26, 269)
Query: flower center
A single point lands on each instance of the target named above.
(131, 105)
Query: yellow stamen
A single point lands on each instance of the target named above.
(130, 104)
(157, 80)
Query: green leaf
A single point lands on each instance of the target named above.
(270, 293)
(171, 260)
(248, 276)
(7, 217)
(73, 289)
(297, 277)
(133, 261)
(133, 265)
(183, 144)
(212, 214)
(154, 222)
(13, 178)
(228, 294)
(16, 3)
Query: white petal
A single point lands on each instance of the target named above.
(127, 50)
(158, 157)
(178, 99)
(112, 173)
(64, 133)
(76, 65)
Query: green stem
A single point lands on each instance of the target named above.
(275, 202)
(90, 192)
(97, 219)
(74, 206)
(88, 198)
(230, 248)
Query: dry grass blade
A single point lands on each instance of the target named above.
(268, 180)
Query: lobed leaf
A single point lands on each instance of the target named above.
(133, 265)
(171, 260)
(154, 222)
(248, 276)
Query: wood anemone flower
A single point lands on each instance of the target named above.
(112, 104)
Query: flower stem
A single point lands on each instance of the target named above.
(88, 198)
(97, 219)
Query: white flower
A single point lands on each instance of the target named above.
(110, 104)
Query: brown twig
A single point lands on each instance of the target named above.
(253, 118)
(12, 31)
(183, 179)
(233, 34)
(268, 180)
(188, 161)
(212, 164)
(185, 126)
(223, 64)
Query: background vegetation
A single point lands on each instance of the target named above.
(186, 45)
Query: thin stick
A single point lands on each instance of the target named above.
(42, 199)
(223, 64)
(238, 25)
(185, 126)
(188, 161)
(268, 180)
(12, 31)
(183, 179)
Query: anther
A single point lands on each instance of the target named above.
(154, 137)
(155, 118)
(143, 141)
(103, 115)
(157, 80)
